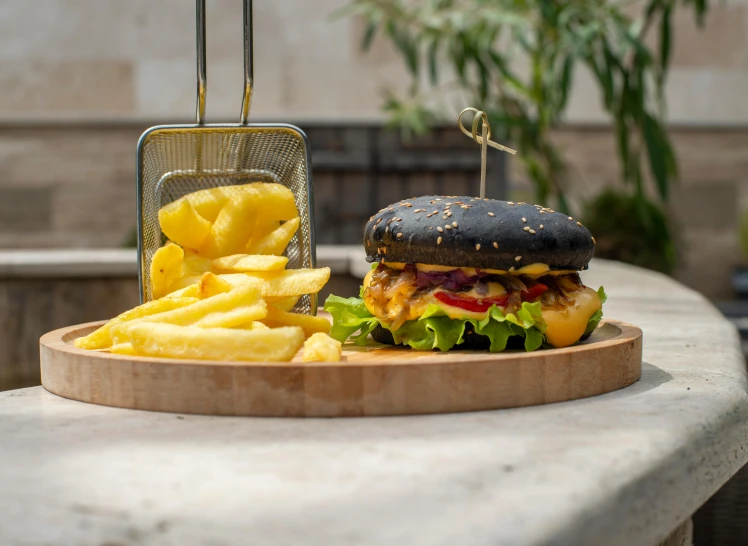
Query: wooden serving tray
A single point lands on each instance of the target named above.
(371, 380)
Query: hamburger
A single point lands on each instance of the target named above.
(472, 273)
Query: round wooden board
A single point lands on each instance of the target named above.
(371, 380)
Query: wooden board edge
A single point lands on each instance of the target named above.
(54, 339)
(335, 390)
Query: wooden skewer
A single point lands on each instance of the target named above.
(483, 139)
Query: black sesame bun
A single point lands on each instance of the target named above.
(473, 232)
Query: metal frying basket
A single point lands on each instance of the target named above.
(174, 160)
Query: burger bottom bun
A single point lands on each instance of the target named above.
(472, 341)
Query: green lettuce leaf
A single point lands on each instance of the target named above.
(350, 315)
(597, 317)
(435, 330)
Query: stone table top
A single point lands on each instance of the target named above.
(618, 469)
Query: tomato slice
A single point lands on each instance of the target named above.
(471, 304)
(534, 292)
(481, 305)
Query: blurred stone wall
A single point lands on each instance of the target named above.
(83, 78)
(109, 59)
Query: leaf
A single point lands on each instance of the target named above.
(603, 69)
(635, 170)
(483, 78)
(635, 91)
(458, 57)
(371, 30)
(405, 44)
(622, 139)
(509, 76)
(652, 9)
(665, 47)
(640, 48)
(701, 6)
(432, 60)
(657, 163)
(670, 159)
(565, 82)
(665, 38)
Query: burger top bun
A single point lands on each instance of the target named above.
(473, 232)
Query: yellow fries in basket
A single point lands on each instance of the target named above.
(239, 263)
(183, 225)
(166, 269)
(220, 288)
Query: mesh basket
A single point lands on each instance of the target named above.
(179, 159)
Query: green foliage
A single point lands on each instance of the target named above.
(632, 230)
(472, 47)
(743, 233)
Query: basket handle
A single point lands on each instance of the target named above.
(248, 71)
(202, 83)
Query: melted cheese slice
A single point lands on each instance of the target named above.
(495, 290)
(399, 296)
(567, 326)
(532, 270)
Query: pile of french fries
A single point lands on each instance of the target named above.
(219, 287)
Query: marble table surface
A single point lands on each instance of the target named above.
(619, 469)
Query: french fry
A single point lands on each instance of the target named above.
(283, 284)
(212, 285)
(123, 349)
(195, 264)
(234, 317)
(321, 348)
(199, 286)
(261, 226)
(239, 263)
(276, 241)
(170, 341)
(231, 231)
(207, 203)
(101, 338)
(310, 325)
(183, 225)
(254, 325)
(182, 283)
(166, 268)
(276, 200)
(264, 225)
(240, 305)
(284, 304)
(191, 291)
